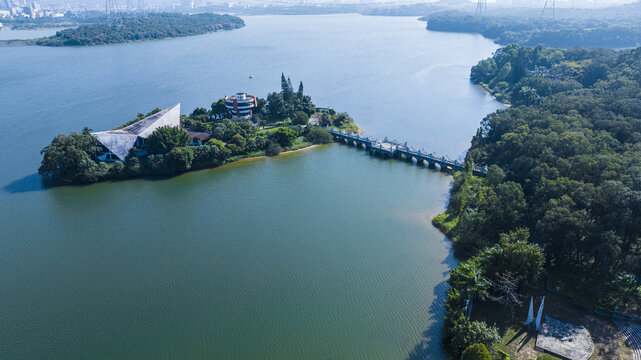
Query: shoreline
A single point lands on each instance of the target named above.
(492, 95)
(265, 156)
(24, 42)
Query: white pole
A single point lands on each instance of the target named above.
(530, 313)
(539, 315)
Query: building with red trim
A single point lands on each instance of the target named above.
(241, 104)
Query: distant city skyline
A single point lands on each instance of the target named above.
(234, 5)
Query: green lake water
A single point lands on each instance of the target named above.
(326, 253)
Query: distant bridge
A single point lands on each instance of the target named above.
(393, 149)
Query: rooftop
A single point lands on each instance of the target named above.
(120, 141)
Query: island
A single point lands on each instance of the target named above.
(164, 142)
(147, 26)
(558, 212)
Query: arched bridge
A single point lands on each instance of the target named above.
(392, 149)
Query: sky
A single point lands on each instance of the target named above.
(99, 4)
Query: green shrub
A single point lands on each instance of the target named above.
(345, 122)
(476, 352)
(284, 136)
(300, 118)
(180, 159)
(165, 138)
(318, 135)
(272, 149)
(464, 333)
(547, 357)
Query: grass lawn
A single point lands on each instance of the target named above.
(446, 222)
(299, 143)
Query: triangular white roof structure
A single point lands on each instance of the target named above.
(120, 141)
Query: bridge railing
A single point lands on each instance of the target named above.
(405, 148)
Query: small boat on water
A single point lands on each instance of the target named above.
(251, 76)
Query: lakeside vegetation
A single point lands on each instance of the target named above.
(532, 31)
(73, 158)
(148, 26)
(562, 198)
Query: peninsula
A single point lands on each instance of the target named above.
(164, 142)
(141, 28)
(558, 212)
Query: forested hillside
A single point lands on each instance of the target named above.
(144, 27)
(565, 177)
(532, 31)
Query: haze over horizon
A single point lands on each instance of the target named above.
(235, 5)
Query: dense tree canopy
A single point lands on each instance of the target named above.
(532, 31)
(288, 104)
(562, 195)
(166, 138)
(70, 158)
(569, 151)
(149, 26)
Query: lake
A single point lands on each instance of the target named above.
(327, 253)
(10, 34)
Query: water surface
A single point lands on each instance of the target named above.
(10, 34)
(321, 254)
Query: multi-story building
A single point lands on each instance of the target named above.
(240, 105)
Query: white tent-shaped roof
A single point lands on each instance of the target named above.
(120, 141)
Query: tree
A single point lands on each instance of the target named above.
(205, 155)
(69, 159)
(300, 90)
(317, 135)
(516, 256)
(300, 118)
(285, 86)
(290, 88)
(465, 333)
(223, 152)
(180, 159)
(468, 279)
(273, 149)
(495, 175)
(238, 140)
(284, 136)
(276, 107)
(200, 114)
(476, 352)
(506, 286)
(165, 138)
(325, 119)
(219, 111)
(594, 72)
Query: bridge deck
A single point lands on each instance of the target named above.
(395, 149)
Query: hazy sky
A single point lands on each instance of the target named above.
(98, 4)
